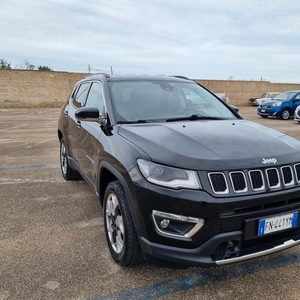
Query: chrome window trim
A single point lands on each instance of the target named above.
(211, 184)
(246, 185)
(262, 177)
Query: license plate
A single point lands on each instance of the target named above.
(277, 223)
(263, 110)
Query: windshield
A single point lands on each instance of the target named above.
(265, 95)
(161, 100)
(285, 96)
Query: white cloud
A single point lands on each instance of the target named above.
(199, 39)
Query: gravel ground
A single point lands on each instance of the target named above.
(52, 242)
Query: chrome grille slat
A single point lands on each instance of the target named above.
(218, 183)
(287, 175)
(238, 181)
(257, 180)
(297, 170)
(273, 178)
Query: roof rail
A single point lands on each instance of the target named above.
(182, 77)
(91, 74)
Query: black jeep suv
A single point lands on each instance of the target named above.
(182, 178)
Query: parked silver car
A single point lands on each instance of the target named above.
(265, 96)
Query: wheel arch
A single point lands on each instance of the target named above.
(107, 174)
(59, 134)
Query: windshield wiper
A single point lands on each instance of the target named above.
(135, 121)
(193, 118)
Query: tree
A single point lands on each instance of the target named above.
(44, 68)
(27, 65)
(4, 64)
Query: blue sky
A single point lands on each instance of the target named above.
(201, 39)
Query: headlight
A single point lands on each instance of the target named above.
(167, 176)
(277, 104)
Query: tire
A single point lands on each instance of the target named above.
(119, 229)
(264, 116)
(67, 172)
(285, 115)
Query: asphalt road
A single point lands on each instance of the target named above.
(52, 242)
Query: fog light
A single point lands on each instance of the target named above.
(173, 225)
(164, 223)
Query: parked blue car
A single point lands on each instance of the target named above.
(282, 106)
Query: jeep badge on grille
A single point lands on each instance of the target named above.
(269, 161)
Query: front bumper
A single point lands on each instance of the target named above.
(230, 230)
(268, 112)
(208, 254)
(297, 115)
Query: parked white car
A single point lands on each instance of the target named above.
(265, 96)
(222, 96)
(297, 114)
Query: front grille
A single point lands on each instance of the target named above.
(218, 183)
(238, 181)
(287, 175)
(273, 178)
(258, 180)
(297, 170)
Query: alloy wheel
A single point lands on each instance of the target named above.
(115, 223)
(63, 158)
(285, 114)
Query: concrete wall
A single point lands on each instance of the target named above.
(28, 88)
(239, 92)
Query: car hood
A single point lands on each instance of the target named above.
(211, 144)
(264, 99)
(271, 102)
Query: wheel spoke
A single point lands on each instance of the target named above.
(119, 242)
(63, 158)
(110, 206)
(114, 223)
(115, 203)
(120, 224)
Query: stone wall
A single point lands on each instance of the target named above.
(30, 88)
(239, 92)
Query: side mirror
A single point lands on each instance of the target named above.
(90, 114)
(236, 109)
